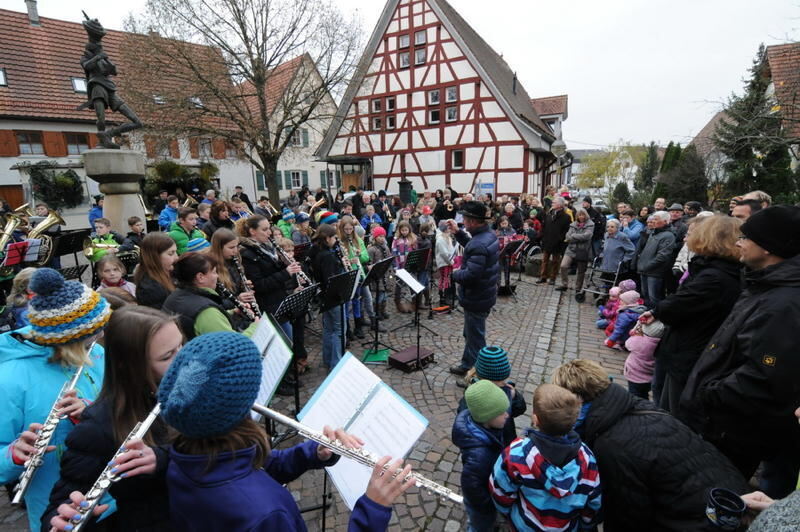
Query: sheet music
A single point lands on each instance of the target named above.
(263, 334)
(277, 356)
(32, 254)
(409, 279)
(340, 396)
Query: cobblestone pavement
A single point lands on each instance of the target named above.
(540, 329)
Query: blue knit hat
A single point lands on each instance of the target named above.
(302, 217)
(211, 385)
(197, 244)
(287, 215)
(492, 364)
(62, 312)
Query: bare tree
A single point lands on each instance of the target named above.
(249, 72)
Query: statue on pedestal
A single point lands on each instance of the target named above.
(101, 91)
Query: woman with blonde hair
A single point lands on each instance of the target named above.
(19, 297)
(356, 252)
(694, 313)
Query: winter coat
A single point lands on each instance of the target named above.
(167, 217)
(182, 237)
(150, 292)
(367, 220)
(480, 448)
(679, 229)
(286, 228)
(626, 320)
(640, 364)
(480, 270)
(579, 241)
(656, 257)
(235, 496)
(634, 229)
(125, 285)
(141, 501)
(609, 310)
(599, 222)
(545, 482)
(213, 224)
(781, 516)
(268, 275)
(201, 311)
(29, 385)
(445, 250)
(376, 254)
(516, 408)
(616, 249)
(656, 471)
(95, 213)
(110, 239)
(681, 264)
(694, 313)
(132, 240)
(554, 229)
(299, 237)
(745, 386)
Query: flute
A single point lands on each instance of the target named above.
(46, 433)
(245, 288)
(360, 456)
(107, 477)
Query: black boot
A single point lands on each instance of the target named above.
(358, 331)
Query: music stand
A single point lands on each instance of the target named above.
(376, 275)
(395, 360)
(301, 251)
(505, 259)
(530, 249)
(417, 261)
(339, 290)
(15, 253)
(70, 242)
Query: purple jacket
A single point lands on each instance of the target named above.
(626, 320)
(640, 364)
(235, 496)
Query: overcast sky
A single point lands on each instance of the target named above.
(633, 70)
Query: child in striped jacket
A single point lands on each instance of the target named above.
(560, 489)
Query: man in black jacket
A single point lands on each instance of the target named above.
(554, 230)
(242, 195)
(477, 279)
(599, 225)
(744, 389)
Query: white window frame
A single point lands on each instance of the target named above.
(423, 40)
(32, 150)
(297, 138)
(231, 152)
(434, 100)
(296, 178)
(79, 85)
(447, 116)
(453, 160)
(391, 122)
(376, 124)
(404, 60)
(400, 41)
(79, 147)
(420, 60)
(3, 77)
(391, 103)
(447, 93)
(376, 105)
(430, 116)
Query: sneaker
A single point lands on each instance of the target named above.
(458, 370)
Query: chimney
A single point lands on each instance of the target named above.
(33, 12)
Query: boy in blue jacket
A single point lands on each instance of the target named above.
(549, 480)
(169, 215)
(478, 432)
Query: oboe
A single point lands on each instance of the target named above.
(227, 294)
(243, 278)
(360, 456)
(302, 278)
(106, 478)
(36, 460)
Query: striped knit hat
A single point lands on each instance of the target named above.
(327, 217)
(492, 364)
(197, 244)
(62, 312)
(287, 215)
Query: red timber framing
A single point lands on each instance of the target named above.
(395, 120)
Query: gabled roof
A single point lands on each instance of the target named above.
(704, 140)
(491, 67)
(279, 80)
(784, 66)
(551, 105)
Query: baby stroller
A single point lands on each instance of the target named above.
(598, 281)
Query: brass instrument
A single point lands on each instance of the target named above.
(190, 203)
(108, 477)
(227, 294)
(302, 279)
(90, 247)
(148, 213)
(316, 205)
(12, 222)
(360, 456)
(46, 247)
(244, 287)
(24, 210)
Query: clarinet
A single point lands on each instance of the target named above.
(302, 278)
(342, 257)
(360, 456)
(243, 278)
(227, 294)
(46, 433)
(106, 478)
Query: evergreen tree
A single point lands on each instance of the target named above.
(750, 137)
(687, 180)
(649, 168)
(621, 194)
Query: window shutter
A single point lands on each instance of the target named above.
(150, 147)
(260, 180)
(218, 148)
(305, 178)
(174, 149)
(92, 140)
(338, 180)
(286, 132)
(323, 178)
(55, 143)
(8, 143)
(287, 177)
(305, 138)
(194, 148)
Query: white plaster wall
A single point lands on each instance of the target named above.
(509, 182)
(511, 157)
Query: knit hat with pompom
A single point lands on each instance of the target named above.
(62, 312)
(211, 385)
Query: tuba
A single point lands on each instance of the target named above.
(12, 222)
(190, 203)
(46, 245)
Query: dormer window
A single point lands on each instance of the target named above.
(403, 41)
(3, 79)
(196, 102)
(79, 85)
(158, 100)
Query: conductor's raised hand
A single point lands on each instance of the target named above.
(347, 440)
(384, 487)
(452, 225)
(68, 514)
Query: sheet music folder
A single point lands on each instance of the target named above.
(354, 398)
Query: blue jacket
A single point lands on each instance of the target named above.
(477, 278)
(29, 385)
(480, 448)
(95, 213)
(234, 496)
(616, 249)
(366, 220)
(626, 320)
(633, 230)
(167, 217)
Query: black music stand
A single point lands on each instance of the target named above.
(417, 261)
(376, 275)
(70, 242)
(339, 290)
(401, 359)
(294, 306)
(301, 251)
(529, 250)
(505, 260)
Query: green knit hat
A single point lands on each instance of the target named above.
(485, 401)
